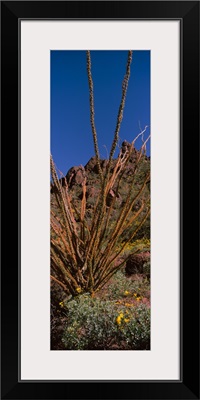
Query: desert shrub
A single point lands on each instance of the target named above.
(147, 269)
(121, 288)
(85, 245)
(95, 324)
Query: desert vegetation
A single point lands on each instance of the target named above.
(100, 218)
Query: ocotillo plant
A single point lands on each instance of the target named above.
(84, 250)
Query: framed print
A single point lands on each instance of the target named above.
(104, 301)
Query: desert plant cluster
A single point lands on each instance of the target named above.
(92, 237)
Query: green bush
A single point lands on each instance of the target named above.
(117, 288)
(147, 269)
(96, 324)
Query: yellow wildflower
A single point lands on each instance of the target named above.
(138, 298)
(128, 305)
(78, 289)
(119, 318)
(135, 294)
(61, 304)
(126, 320)
(126, 293)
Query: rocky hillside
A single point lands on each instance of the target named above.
(77, 174)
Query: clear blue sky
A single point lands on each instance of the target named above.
(71, 135)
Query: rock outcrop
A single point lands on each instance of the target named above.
(76, 176)
(135, 262)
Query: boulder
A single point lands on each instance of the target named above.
(135, 262)
(76, 176)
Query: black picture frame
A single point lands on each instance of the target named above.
(188, 386)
